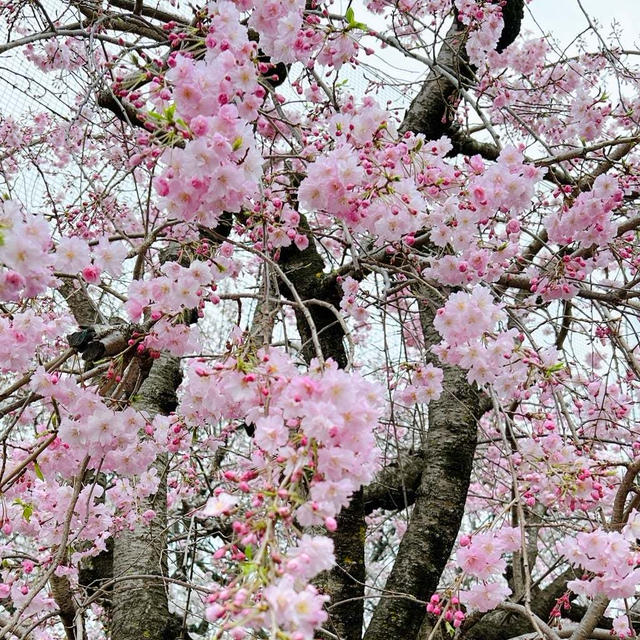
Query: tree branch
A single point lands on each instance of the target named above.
(395, 487)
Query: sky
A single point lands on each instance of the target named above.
(563, 18)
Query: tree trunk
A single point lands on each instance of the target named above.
(140, 607)
(440, 499)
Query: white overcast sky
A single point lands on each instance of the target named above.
(563, 18)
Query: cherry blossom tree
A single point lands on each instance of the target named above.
(296, 346)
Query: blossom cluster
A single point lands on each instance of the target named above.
(54, 54)
(608, 558)
(467, 324)
(481, 556)
(587, 221)
(26, 266)
(215, 172)
(21, 336)
(425, 385)
(507, 187)
(362, 183)
(349, 303)
(214, 98)
(484, 19)
(280, 225)
(575, 480)
(314, 447)
(116, 440)
(178, 288)
(280, 25)
(321, 421)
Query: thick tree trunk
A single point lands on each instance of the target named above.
(140, 607)
(345, 582)
(440, 499)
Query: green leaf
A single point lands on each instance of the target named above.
(27, 509)
(351, 21)
(349, 16)
(38, 471)
(27, 512)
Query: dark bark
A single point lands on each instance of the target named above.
(101, 341)
(96, 573)
(513, 14)
(79, 302)
(395, 487)
(63, 595)
(305, 270)
(433, 109)
(345, 582)
(440, 499)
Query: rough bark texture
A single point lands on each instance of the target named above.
(345, 582)
(80, 304)
(396, 485)
(439, 505)
(96, 574)
(140, 609)
(305, 269)
(63, 596)
(432, 110)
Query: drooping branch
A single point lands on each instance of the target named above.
(345, 582)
